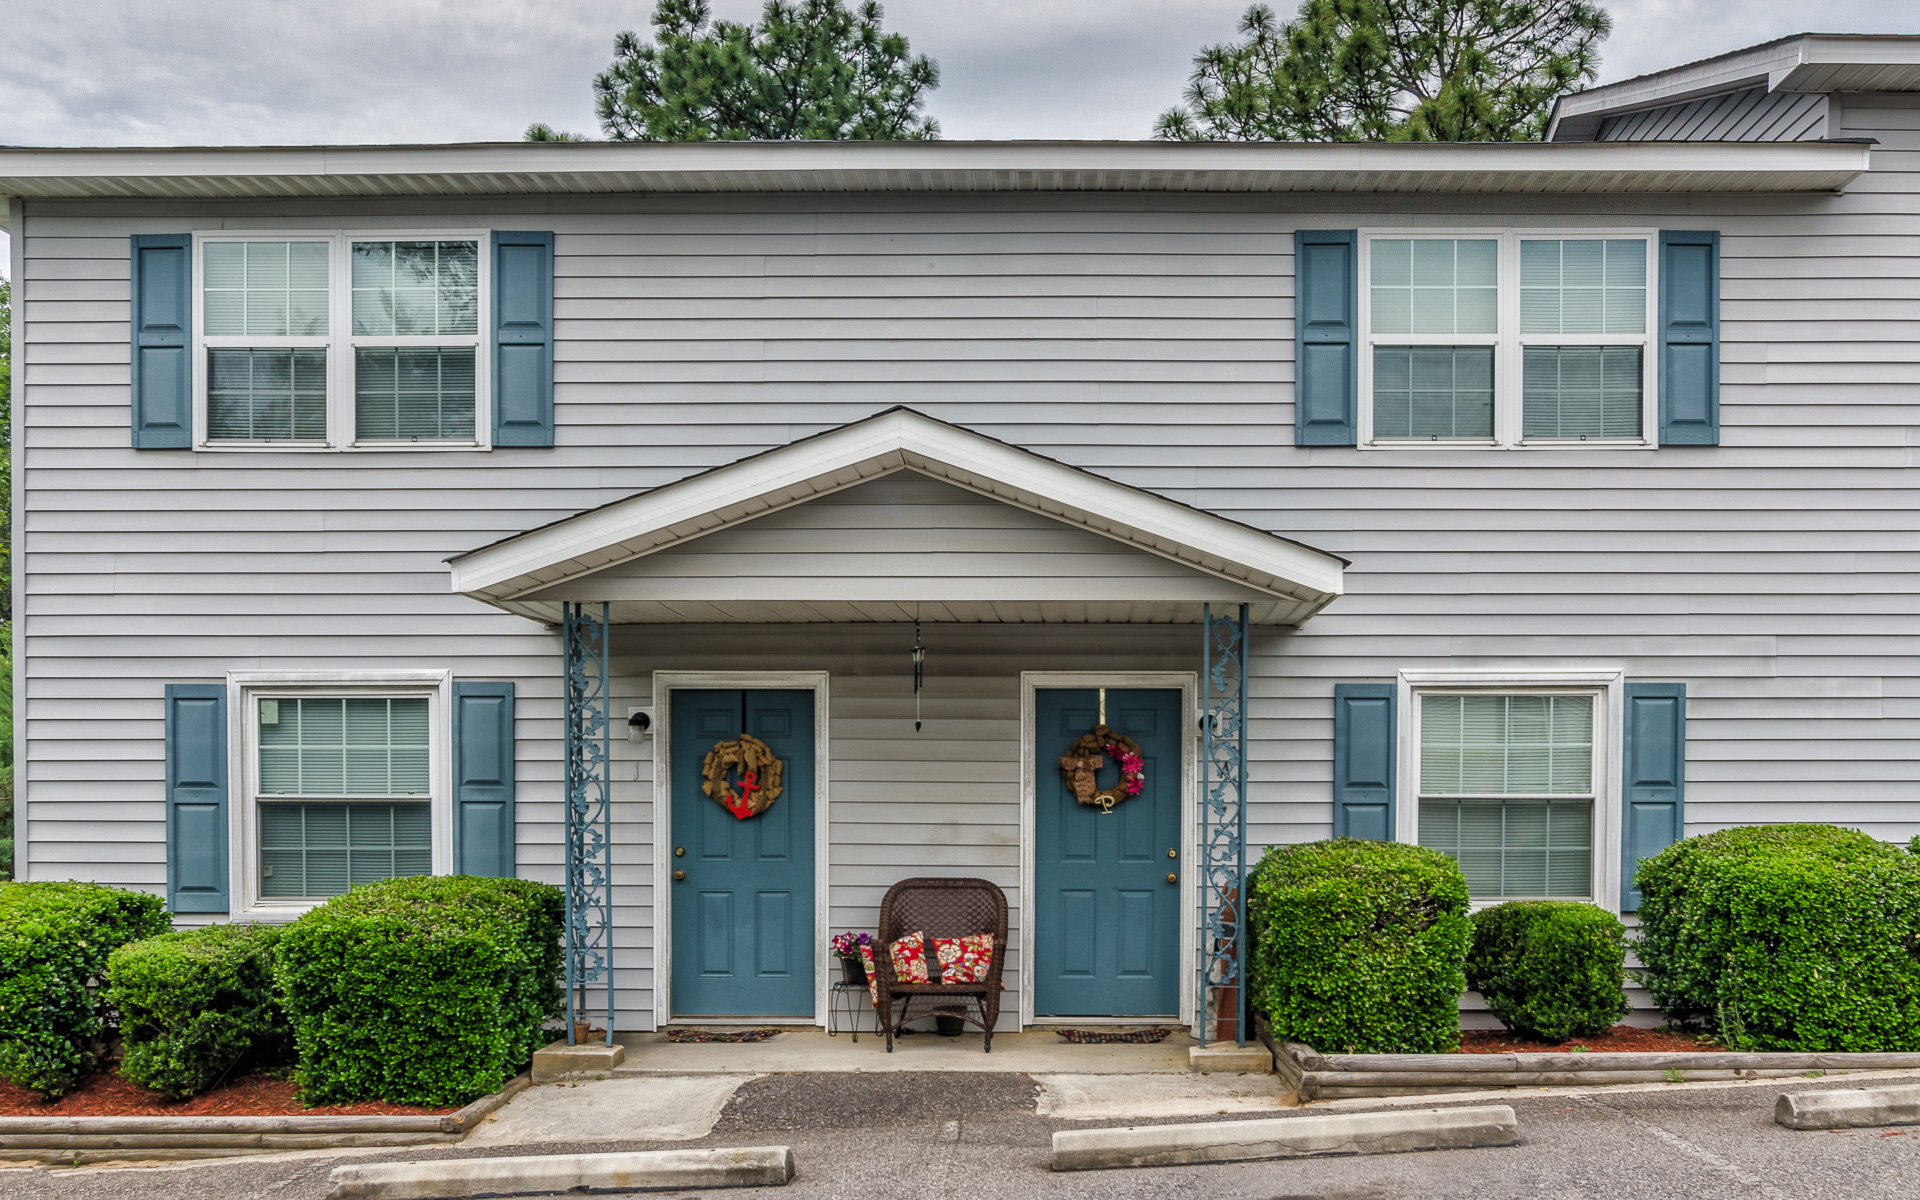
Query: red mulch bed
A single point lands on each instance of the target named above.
(1618, 1040)
(108, 1094)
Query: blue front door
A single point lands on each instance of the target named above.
(1106, 938)
(743, 913)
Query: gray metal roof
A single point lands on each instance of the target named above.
(1801, 62)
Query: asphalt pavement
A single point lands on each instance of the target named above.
(971, 1136)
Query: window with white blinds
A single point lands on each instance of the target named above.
(341, 341)
(1505, 339)
(1506, 789)
(265, 316)
(338, 749)
(416, 338)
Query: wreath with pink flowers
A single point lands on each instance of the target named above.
(1088, 754)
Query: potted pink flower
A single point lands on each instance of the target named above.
(846, 946)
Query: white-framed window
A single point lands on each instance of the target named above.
(1511, 774)
(340, 778)
(1507, 338)
(337, 340)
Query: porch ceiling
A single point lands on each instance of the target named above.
(1189, 557)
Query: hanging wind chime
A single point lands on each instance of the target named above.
(919, 672)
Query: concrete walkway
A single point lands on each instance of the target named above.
(611, 1110)
(1038, 1052)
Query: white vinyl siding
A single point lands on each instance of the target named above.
(1145, 337)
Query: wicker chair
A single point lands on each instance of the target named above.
(940, 908)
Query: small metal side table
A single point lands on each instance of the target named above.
(851, 998)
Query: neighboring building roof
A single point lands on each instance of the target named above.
(531, 573)
(1804, 63)
(544, 168)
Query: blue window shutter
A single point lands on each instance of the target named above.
(197, 797)
(1326, 280)
(483, 779)
(522, 339)
(1655, 779)
(1363, 751)
(162, 341)
(1689, 338)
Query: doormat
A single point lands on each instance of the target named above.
(721, 1035)
(1101, 1037)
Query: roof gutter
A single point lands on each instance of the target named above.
(520, 168)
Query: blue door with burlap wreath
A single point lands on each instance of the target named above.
(1106, 932)
(741, 889)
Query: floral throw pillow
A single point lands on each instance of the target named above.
(910, 958)
(873, 986)
(964, 959)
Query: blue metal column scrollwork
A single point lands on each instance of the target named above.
(589, 815)
(1223, 849)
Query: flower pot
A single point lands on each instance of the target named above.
(947, 1026)
(853, 971)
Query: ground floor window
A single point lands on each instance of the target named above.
(343, 784)
(1508, 785)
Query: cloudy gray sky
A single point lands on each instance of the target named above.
(234, 72)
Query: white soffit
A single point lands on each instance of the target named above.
(535, 168)
(1291, 581)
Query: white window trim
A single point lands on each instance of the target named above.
(1507, 343)
(340, 340)
(1609, 684)
(243, 819)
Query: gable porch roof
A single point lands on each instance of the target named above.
(1223, 561)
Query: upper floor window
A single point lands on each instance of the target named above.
(1506, 339)
(341, 341)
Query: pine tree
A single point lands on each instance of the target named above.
(808, 69)
(1392, 70)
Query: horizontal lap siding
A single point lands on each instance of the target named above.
(1148, 338)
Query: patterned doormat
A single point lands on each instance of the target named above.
(722, 1035)
(1102, 1037)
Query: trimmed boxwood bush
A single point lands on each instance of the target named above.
(1785, 937)
(1359, 946)
(423, 990)
(198, 1007)
(1550, 969)
(54, 943)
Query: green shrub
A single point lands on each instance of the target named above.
(54, 943)
(1550, 969)
(421, 990)
(1359, 946)
(1785, 937)
(197, 1007)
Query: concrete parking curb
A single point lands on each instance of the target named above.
(1291, 1137)
(1856, 1109)
(753, 1166)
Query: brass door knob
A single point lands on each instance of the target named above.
(1172, 878)
(679, 875)
(679, 851)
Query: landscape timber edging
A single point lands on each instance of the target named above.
(102, 1139)
(1318, 1076)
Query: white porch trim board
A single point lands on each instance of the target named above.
(1188, 683)
(664, 683)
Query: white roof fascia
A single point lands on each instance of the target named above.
(520, 168)
(880, 445)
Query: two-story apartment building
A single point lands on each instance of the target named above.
(391, 509)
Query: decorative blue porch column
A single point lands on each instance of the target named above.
(1223, 847)
(589, 815)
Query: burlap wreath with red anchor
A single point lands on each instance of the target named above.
(759, 769)
(1086, 756)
